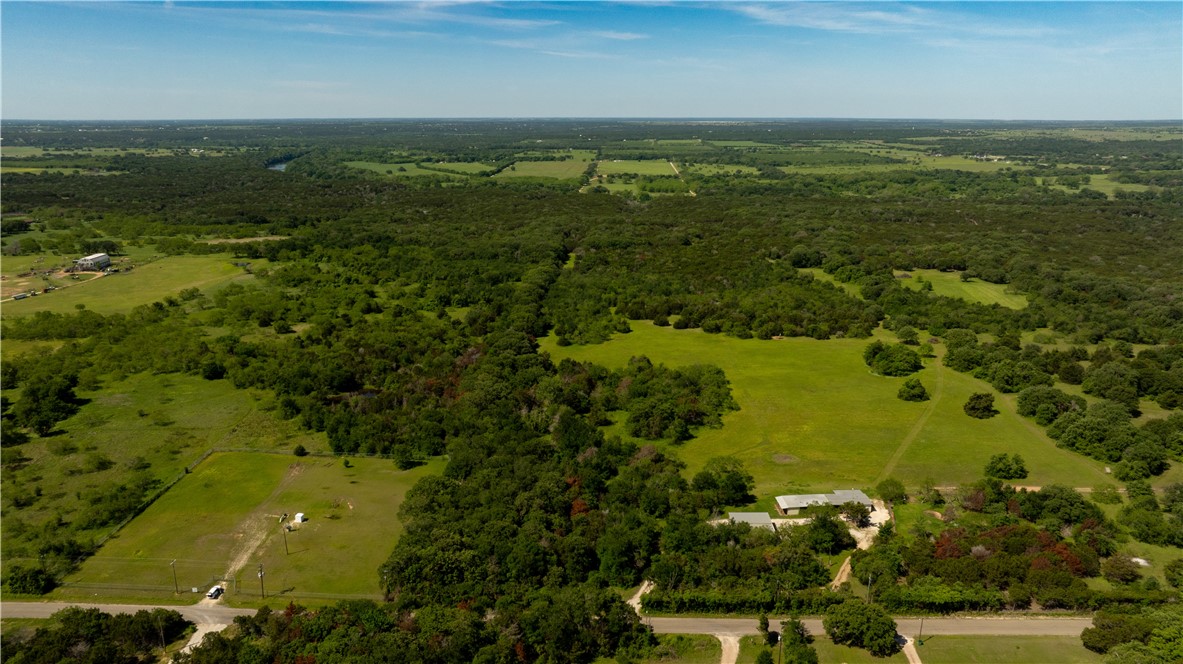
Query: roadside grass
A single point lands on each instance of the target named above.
(147, 283)
(827, 651)
(570, 169)
(812, 417)
(680, 649)
(157, 424)
(637, 166)
(950, 284)
(224, 518)
(943, 649)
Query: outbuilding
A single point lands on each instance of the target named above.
(754, 519)
(93, 262)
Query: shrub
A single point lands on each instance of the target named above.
(980, 405)
(1006, 467)
(300, 451)
(913, 390)
(892, 490)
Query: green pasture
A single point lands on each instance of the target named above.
(156, 424)
(742, 144)
(408, 169)
(1103, 183)
(223, 520)
(950, 284)
(569, 169)
(472, 168)
(637, 166)
(147, 283)
(708, 170)
(812, 417)
(943, 649)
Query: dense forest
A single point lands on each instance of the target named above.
(401, 317)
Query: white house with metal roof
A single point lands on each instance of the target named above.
(792, 505)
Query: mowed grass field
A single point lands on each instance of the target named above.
(569, 169)
(637, 166)
(147, 283)
(812, 417)
(950, 284)
(223, 520)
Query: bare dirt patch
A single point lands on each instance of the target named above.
(784, 459)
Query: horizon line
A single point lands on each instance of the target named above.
(561, 118)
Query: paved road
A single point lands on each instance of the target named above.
(1033, 626)
(202, 614)
(207, 614)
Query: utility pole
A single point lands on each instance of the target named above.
(261, 591)
(920, 639)
(176, 588)
(285, 540)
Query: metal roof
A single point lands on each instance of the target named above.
(760, 519)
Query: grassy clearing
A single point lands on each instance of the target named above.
(822, 275)
(1005, 650)
(639, 167)
(120, 293)
(402, 169)
(223, 520)
(157, 423)
(720, 169)
(812, 417)
(950, 284)
(570, 169)
(471, 168)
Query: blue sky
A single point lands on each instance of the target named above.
(963, 60)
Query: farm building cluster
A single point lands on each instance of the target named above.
(792, 506)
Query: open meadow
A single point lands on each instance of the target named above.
(569, 169)
(950, 284)
(224, 519)
(634, 166)
(812, 417)
(121, 292)
(148, 426)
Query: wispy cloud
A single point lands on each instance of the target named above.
(886, 18)
(552, 47)
(618, 36)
